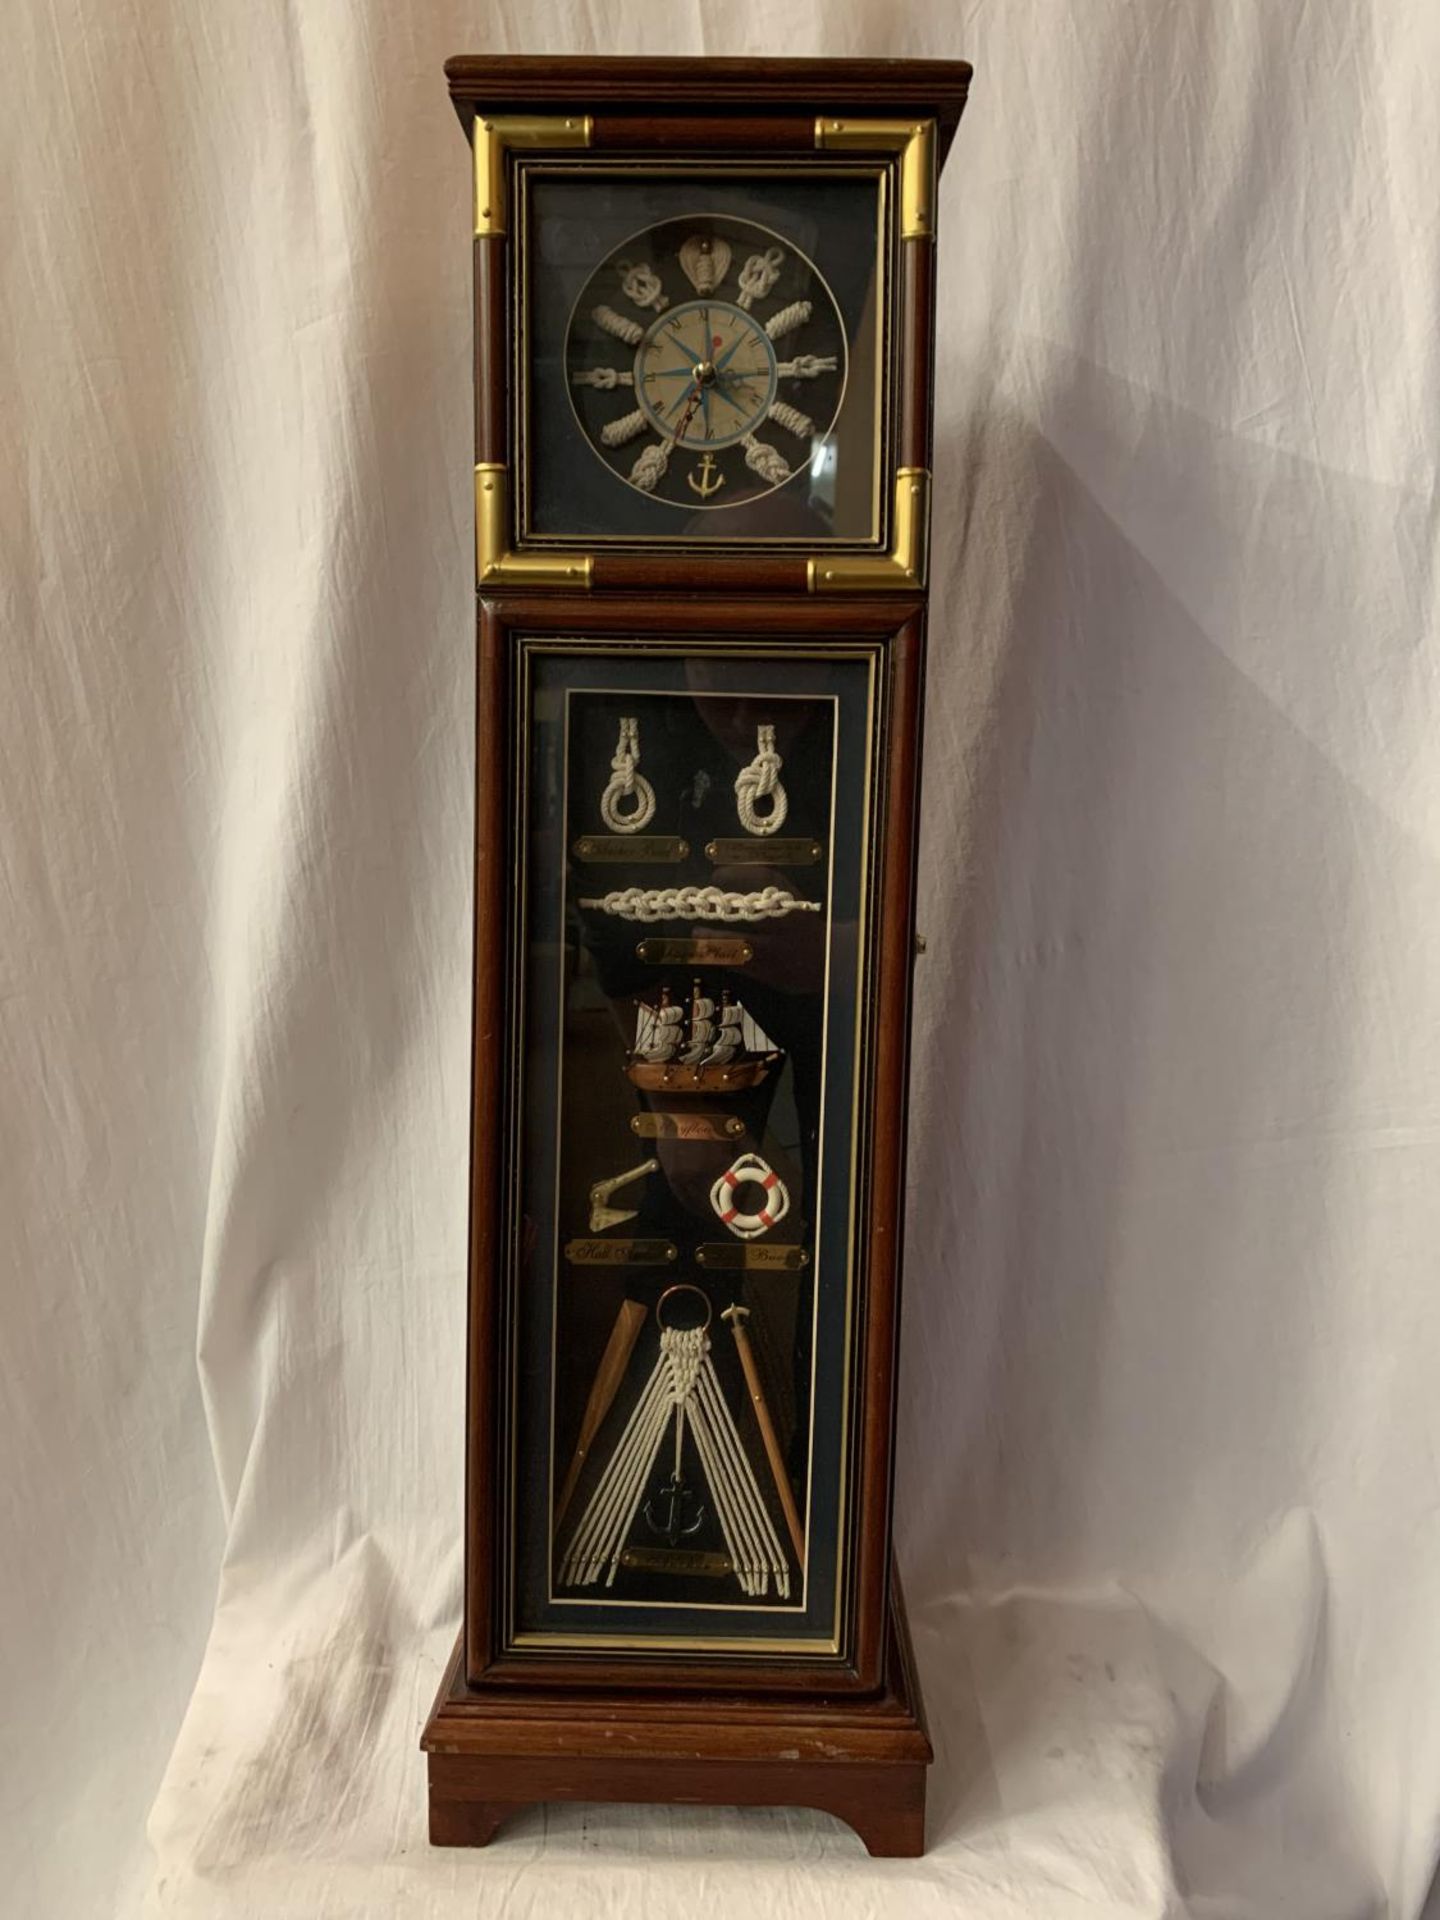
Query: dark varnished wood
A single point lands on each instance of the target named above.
(491, 387)
(697, 572)
(863, 1760)
(759, 90)
(917, 360)
(486, 1137)
(706, 133)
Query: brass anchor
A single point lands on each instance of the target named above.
(709, 481)
(602, 1218)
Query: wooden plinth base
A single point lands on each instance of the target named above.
(495, 1751)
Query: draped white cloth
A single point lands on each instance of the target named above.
(1170, 1428)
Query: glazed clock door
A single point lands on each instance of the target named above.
(701, 355)
(699, 868)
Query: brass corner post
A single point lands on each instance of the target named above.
(914, 141)
(496, 565)
(494, 136)
(903, 568)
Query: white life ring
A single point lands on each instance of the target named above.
(749, 1226)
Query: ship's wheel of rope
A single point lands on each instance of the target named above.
(750, 1170)
(626, 785)
(761, 781)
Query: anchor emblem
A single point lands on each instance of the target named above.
(677, 1497)
(708, 481)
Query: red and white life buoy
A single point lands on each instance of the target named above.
(748, 1169)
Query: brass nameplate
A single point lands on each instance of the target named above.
(686, 1126)
(705, 950)
(765, 853)
(734, 1257)
(650, 849)
(621, 1253)
(676, 1560)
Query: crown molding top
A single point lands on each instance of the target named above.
(871, 89)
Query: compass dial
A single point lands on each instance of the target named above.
(706, 362)
(705, 374)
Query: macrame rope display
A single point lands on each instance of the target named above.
(761, 781)
(626, 785)
(698, 903)
(750, 1170)
(682, 1392)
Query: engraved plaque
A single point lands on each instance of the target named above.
(647, 849)
(676, 1560)
(687, 1126)
(704, 950)
(621, 1253)
(765, 853)
(734, 1257)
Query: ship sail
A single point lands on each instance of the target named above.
(755, 1038)
(699, 1041)
(658, 1031)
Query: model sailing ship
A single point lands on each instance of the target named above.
(698, 1045)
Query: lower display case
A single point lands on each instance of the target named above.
(694, 942)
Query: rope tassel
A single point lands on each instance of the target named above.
(683, 1391)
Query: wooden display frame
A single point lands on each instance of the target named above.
(845, 1733)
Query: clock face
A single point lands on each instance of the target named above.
(701, 356)
(706, 359)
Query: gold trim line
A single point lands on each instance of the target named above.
(493, 139)
(495, 564)
(903, 569)
(914, 141)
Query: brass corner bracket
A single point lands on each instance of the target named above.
(914, 141)
(495, 564)
(493, 138)
(902, 569)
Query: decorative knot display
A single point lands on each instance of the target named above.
(649, 469)
(616, 432)
(767, 461)
(807, 366)
(698, 903)
(604, 379)
(787, 319)
(642, 285)
(630, 331)
(683, 1394)
(758, 276)
(627, 785)
(792, 419)
(760, 781)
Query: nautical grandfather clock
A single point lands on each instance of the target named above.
(704, 318)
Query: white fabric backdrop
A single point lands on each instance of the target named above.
(1170, 1451)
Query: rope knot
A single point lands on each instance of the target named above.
(761, 781)
(626, 784)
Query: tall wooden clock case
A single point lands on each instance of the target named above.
(704, 318)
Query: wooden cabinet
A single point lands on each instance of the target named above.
(704, 312)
